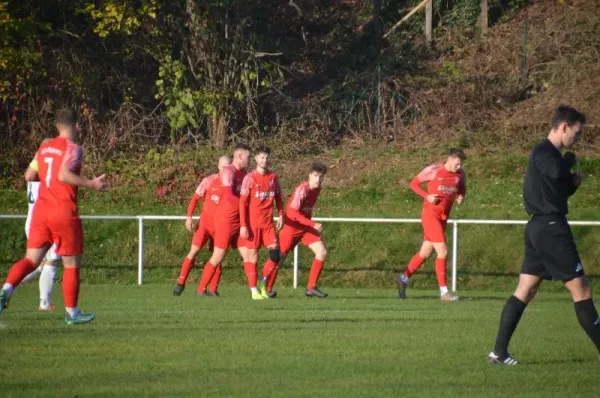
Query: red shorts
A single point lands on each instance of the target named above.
(289, 238)
(227, 235)
(66, 232)
(203, 234)
(434, 228)
(260, 237)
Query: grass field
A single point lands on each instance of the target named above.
(358, 342)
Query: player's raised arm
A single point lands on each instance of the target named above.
(294, 208)
(226, 175)
(31, 174)
(426, 175)
(196, 197)
(71, 162)
(244, 203)
(279, 203)
(462, 188)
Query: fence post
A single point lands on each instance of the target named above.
(140, 249)
(454, 253)
(296, 267)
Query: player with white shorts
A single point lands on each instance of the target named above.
(47, 270)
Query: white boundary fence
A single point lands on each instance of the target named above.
(140, 219)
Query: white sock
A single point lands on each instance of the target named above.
(46, 284)
(72, 311)
(33, 274)
(443, 290)
(8, 288)
(254, 290)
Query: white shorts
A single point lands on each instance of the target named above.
(51, 253)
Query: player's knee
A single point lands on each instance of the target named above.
(425, 253)
(580, 290)
(50, 263)
(526, 294)
(322, 253)
(252, 256)
(274, 255)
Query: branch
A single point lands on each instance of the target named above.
(260, 54)
(410, 14)
(300, 16)
(294, 5)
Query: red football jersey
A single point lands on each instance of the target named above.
(259, 191)
(210, 191)
(446, 184)
(228, 209)
(302, 201)
(56, 195)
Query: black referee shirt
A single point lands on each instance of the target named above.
(548, 181)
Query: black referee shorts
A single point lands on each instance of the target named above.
(550, 250)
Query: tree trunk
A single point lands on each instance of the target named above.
(429, 21)
(484, 17)
(218, 129)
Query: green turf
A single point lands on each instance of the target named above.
(358, 342)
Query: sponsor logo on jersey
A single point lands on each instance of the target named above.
(448, 190)
(264, 195)
(51, 150)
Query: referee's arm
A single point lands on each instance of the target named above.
(551, 165)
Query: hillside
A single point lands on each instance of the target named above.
(335, 83)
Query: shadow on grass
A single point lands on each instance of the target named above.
(558, 361)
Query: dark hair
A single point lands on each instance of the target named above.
(241, 146)
(457, 153)
(262, 149)
(319, 167)
(567, 114)
(66, 117)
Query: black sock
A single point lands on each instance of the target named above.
(588, 319)
(511, 315)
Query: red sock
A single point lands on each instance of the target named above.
(207, 274)
(250, 269)
(440, 271)
(214, 282)
(186, 267)
(271, 279)
(315, 272)
(20, 270)
(414, 265)
(268, 268)
(70, 286)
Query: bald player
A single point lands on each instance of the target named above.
(209, 190)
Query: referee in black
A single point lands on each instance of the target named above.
(550, 251)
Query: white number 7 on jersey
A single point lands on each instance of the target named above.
(49, 172)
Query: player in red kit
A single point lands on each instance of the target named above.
(209, 190)
(55, 219)
(260, 190)
(298, 227)
(445, 184)
(227, 215)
